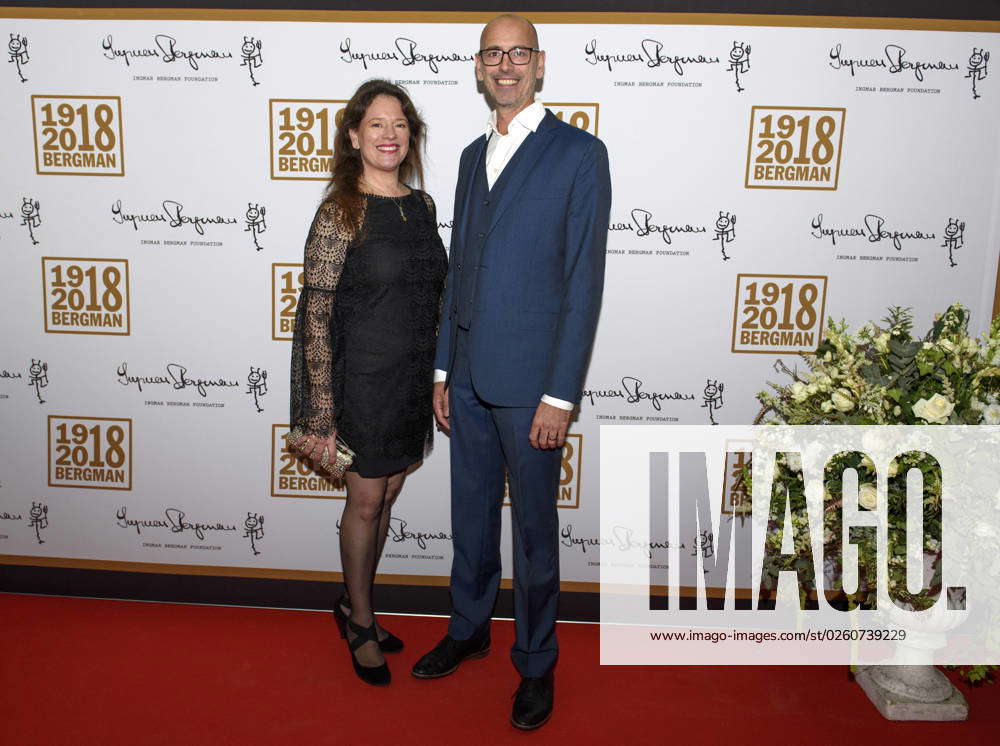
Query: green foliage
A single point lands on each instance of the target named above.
(885, 376)
(976, 675)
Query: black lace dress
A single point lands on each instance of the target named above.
(366, 331)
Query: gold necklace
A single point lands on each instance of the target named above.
(396, 200)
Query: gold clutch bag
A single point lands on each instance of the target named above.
(345, 455)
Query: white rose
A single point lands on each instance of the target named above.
(827, 357)
(867, 462)
(946, 344)
(842, 400)
(867, 496)
(826, 406)
(825, 381)
(934, 410)
(799, 393)
(991, 415)
(893, 468)
(812, 388)
(897, 410)
(794, 461)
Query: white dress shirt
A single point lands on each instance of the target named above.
(499, 150)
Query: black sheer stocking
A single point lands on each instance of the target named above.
(363, 528)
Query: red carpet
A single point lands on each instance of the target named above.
(77, 671)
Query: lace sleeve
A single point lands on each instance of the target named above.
(312, 404)
(432, 212)
(429, 201)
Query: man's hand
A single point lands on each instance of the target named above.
(548, 428)
(441, 406)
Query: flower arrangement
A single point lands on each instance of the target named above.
(882, 375)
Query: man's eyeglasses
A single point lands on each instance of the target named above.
(517, 56)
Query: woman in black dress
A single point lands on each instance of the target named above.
(365, 334)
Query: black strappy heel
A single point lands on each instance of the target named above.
(391, 644)
(374, 675)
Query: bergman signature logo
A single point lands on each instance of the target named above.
(173, 215)
(176, 378)
(176, 521)
(873, 229)
(404, 51)
(167, 49)
(894, 60)
(642, 224)
(649, 54)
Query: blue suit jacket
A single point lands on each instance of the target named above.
(536, 312)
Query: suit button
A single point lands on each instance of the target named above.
(486, 203)
(459, 267)
(482, 235)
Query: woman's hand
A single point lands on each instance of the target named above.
(313, 446)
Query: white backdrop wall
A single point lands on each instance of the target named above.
(159, 177)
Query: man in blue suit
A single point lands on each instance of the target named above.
(523, 294)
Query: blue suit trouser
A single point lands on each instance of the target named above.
(486, 440)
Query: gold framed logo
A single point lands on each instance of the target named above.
(86, 296)
(584, 116)
(90, 452)
(778, 313)
(301, 137)
(78, 135)
(734, 491)
(795, 147)
(286, 284)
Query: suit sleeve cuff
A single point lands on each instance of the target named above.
(439, 376)
(561, 403)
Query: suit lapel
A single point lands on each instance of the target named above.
(527, 158)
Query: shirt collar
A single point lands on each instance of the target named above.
(528, 118)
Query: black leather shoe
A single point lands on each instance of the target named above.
(532, 702)
(390, 644)
(448, 655)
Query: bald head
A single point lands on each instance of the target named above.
(510, 20)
